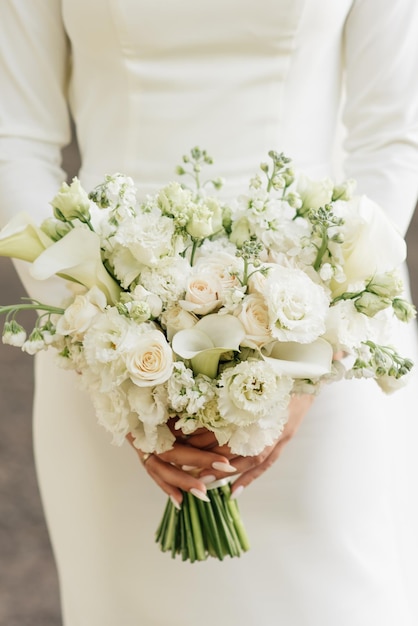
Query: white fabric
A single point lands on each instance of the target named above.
(333, 523)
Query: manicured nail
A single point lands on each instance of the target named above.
(237, 492)
(199, 494)
(188, 468)
(175, 503)
(223, 467)
(209, 478)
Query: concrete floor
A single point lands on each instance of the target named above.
(28, 584)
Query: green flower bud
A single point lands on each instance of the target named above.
(71, 202)
(369, 304)
(404, 310)
(387, 285)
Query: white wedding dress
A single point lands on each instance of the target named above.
(333, 525)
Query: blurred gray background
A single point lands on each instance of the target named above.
(28, 584)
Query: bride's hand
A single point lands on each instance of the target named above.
(251, 467)
(173, 470)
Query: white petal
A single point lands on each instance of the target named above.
(299, 360)
(224, 330)
(190, 341)
(77, 257)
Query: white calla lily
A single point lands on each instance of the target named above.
(77, 257)
(298, 360)
(207, 340)
(22, 239)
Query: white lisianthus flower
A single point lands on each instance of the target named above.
(250, 391)
(297, 306)
(71, 202)
(175, 318)
(251, 439)
(81, 313)
(314, 193)
(202, 294)
(346, 328)
(150, 438)
(112, 411)
(254, 316)
(149, 361)
(149, 403)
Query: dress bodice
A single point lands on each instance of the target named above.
(151, 80)
(146, 81)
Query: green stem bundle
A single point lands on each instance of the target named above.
(201, 529)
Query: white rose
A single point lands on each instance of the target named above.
(176, 319)
(225, 266)
(202, 294)
(371, 245)
(254, 316)
(149, 361)
(297, 306)
(81, 313)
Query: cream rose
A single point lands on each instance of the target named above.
(149, 361)
(81, 313)
(176, 319)
(202, 294)
(254, 316)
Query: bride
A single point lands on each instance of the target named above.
(333, 520)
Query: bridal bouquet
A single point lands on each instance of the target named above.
(187, 312)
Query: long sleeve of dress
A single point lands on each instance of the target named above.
(34, 122)
(381, 111)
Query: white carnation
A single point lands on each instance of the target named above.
(148, 236)
(167, 280)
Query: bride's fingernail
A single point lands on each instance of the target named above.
(237, 492)
(199, 494)
(209, 478)
(223, 467)
(188, 468)
(175, 503)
